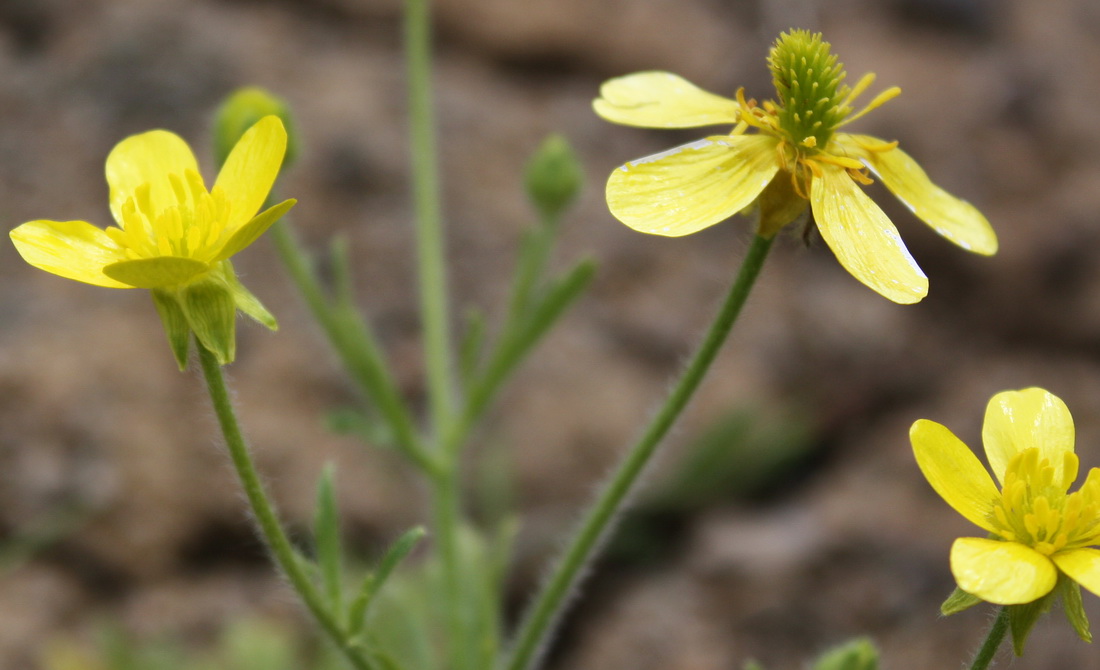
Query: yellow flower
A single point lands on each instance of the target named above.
(174, 236)
(794, 158)
(1037, 529)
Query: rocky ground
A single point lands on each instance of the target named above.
(1000, 106)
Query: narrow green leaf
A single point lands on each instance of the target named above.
(358, 423)
(512, 351)
(559, 296)
(858, 654)
(326, 536)
(357, 613)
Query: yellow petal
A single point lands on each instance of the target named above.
(159, 272)
(72, 249)
(954, 472)
(862, 237)
(249, 232)
(147, 158)
(1019, 420)
(1082, 566)
(251, 169)
(661, 100)
(1003, 573)
(691, 187)
(955, 219)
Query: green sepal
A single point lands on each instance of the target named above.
(958, 601)
(211, 312)
(779, 205)
(858, 654)
(175, 325)
(752, 664)
(1022, 618)
(245, 300)
(1070, 593)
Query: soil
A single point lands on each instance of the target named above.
(110, 457)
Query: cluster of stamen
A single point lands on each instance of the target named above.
(1034, 508)
(191, 228)
(813, 103)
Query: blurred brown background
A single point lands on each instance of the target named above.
(1000, 105)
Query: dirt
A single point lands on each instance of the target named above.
(99, 429)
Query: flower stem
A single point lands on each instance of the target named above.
(992, 641)
(434, 310)
(271, 530)
(429, 223)
(598, 521)
(446, 508)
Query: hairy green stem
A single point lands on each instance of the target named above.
(992, 641)
(267, 520)
(548, 605)
(429, 221)
(434, 312)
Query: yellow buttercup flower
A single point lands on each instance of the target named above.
(174, 236)
(794, 159)
(1038, 531)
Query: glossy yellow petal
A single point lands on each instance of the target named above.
(662, 100)
(691, 187)
(862, 237)
(954, 472)
(1003, 573)
(1082, 566)
(148, 158)
(159, 272)
(251, 169)
(1019, 420)
(71, 249)
(249, 232)
(955, 219)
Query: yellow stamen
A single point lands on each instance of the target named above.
(864, 82)
(878, 101)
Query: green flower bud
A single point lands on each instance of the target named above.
(241, 111)
(553, 177)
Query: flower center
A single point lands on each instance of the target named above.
(807, 78)
(1036, 510)
(189, 228)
